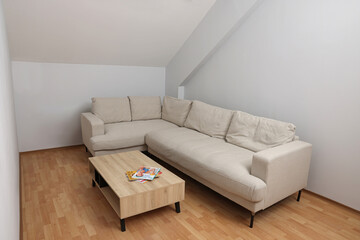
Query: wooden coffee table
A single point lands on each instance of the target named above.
(132, 198)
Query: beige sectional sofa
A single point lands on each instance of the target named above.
(251, 160)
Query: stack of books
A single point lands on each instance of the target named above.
(143, 174)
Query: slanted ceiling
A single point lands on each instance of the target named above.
(115, 32)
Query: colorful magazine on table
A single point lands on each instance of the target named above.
(129, 175)
(146, 173)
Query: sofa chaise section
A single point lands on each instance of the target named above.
(251, 160)
(222, 164)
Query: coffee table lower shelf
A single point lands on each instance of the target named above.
(144, 201)
(114, 202)
(111, 197)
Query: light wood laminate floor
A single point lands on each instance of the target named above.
(58, 202)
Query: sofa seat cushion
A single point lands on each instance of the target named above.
(127, 134)
(222, 164)
(211, 120)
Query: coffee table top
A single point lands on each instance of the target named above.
(113, 167)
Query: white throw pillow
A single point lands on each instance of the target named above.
(271, 133)
(175, 110)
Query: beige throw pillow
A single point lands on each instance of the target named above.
(271, 133)
(208, 119)
(242, 130)
(111, 110)
(144, 108)
(257, 133)
(175, 110)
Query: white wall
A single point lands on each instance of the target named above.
(49, 97)
(214, 28)
(9, 155)
(298, 62)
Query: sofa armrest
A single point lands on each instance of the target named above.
(91, 126)
(284, 169)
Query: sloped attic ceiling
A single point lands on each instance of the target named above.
(115, 32)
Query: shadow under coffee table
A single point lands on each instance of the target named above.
(132, 198)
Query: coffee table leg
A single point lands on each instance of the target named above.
(122, 224)
(177, 207)
(93, 182)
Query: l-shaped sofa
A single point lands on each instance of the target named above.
(253, 161)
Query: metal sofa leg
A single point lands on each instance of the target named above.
(253, 214)
(298, 197)
(252, 220)
(86, 149)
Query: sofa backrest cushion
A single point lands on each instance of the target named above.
(258, 133)
(145, 108)
(111, 110)
(242, 130)
(208, 119)
(175, 110)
